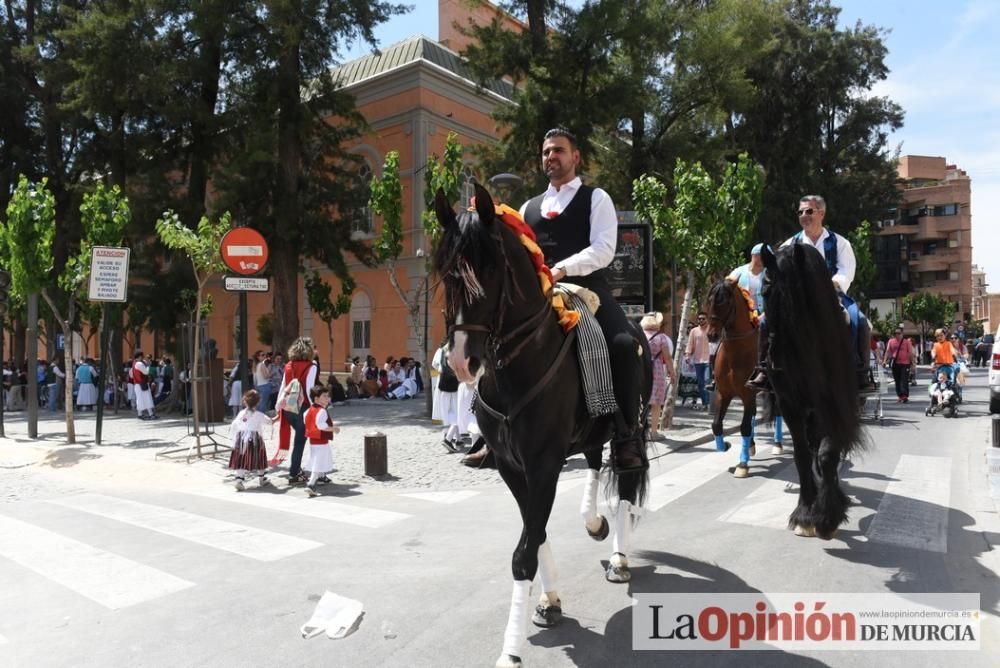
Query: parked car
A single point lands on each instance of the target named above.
(995, 374)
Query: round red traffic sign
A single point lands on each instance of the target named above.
(244, 251)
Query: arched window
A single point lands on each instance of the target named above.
(361, 324)
(363, 225)
(468, 188)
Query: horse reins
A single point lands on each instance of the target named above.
(497, 341)
(726, 336)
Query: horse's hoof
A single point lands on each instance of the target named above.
(741, 471)
(777, 449)
(725, 446)
(601, 533)
(547, 616)
(753, 450)
(618, 574)
(508, 661)
(805, 531)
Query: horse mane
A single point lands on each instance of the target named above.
(465, 248)
(812, 347)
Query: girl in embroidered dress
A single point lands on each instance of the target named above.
(247, 431)
(319, 431)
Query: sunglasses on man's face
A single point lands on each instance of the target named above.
(806, 212)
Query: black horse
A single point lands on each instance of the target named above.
(814, 381)
(530, 406)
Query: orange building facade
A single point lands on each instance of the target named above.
(412, 94)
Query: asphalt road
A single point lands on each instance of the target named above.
(155, 564)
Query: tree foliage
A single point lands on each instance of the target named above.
(866, 271)
(326, 307)
(445, 174)
(705, 231)
(928, 311)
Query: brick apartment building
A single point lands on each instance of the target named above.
(925, 244)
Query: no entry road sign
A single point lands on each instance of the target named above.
(244, 251)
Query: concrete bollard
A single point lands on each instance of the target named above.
(376, 454)
(996, 431)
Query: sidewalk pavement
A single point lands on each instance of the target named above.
(133, 449)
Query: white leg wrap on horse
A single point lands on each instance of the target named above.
(547, 570)
(623, 530)
(588, 505)
(516, 633)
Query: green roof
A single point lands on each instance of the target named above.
(410, 50)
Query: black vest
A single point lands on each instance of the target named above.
(566, 234)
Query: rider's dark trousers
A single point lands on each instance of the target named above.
(625, 369)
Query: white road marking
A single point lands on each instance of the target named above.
(106, 578)
(913, 512)
(672, 485)
(767, 506)
(3, 641)
(443, 497)
(324, 509)
(245, 541)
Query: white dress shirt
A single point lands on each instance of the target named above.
(846, 264)
(603, 228)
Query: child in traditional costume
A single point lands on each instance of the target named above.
(319, 431)
(247, 432)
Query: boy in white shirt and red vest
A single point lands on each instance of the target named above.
(319, 431)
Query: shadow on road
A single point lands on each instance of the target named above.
(586, 647)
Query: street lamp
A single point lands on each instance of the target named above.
(505, 183)
(428, 398)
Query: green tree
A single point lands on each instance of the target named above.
(444, 173)
(328, 308)
(927, 311)
(265, 330)
(201, 246)
(866, 270)
(705, 231)
(813, 124)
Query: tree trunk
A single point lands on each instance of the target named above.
(196, 355)
(203, 126)
(536, 25)
(668, 407)
(285, 261)
(66, 324)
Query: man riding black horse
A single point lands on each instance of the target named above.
(840, 260)
(577, 231)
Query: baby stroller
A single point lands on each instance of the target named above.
(688, 388)
(944, 397)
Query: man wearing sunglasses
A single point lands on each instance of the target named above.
(840, 260)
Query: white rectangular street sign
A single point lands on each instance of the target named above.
(109, 274)
(246, 284)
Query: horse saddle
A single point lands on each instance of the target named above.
(588, 297)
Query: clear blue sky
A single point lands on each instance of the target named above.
(943, 58)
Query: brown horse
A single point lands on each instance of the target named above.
(729, 320)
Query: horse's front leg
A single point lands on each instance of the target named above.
(596, 525)
(830, 506)
(724, 400)
(803, 430)
(535, 493)
(747, 448)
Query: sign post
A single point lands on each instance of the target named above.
(630, 273)
(244, 250)
(108, 283)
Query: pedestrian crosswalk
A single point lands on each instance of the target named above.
(239, 539)
(912, 512)
(106, 578)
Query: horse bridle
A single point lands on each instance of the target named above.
(725, 324)
(497, 339)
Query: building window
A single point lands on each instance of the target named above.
(364, 225)
(361, 324)
(468, 186)
(946, 210)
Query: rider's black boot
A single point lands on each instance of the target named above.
(628, 448)
(759, 381)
